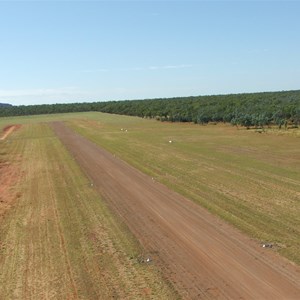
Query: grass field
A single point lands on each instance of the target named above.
(249, 179)
(58, 240)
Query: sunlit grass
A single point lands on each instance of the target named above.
(251, 180)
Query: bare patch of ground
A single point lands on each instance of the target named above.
(8, 130)
(8, 175)
(202, 256)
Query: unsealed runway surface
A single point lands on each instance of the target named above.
(203, 256)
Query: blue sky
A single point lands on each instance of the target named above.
(75, 51)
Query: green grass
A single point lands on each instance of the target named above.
(4, 121)
(59, 240)
(251, 180)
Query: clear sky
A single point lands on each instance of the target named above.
(75, 51)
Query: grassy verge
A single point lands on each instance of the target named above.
(59, 240)
(251, 180)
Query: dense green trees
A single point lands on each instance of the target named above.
(248, 110)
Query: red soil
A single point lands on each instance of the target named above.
(9, 175)
(8, 130)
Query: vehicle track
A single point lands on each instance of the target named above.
(7, 131)
(203, 256)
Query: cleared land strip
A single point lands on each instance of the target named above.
(203, 256)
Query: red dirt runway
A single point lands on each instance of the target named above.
(201, 255)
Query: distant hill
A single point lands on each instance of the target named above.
(5, 104)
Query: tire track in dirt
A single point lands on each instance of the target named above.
(8, 130)
(202, 256)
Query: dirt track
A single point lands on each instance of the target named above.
(8, 130)
(201, 255)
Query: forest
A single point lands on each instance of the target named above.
(248, 110)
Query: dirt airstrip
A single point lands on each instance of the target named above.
(202, 256)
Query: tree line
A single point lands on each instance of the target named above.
(248, 110)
